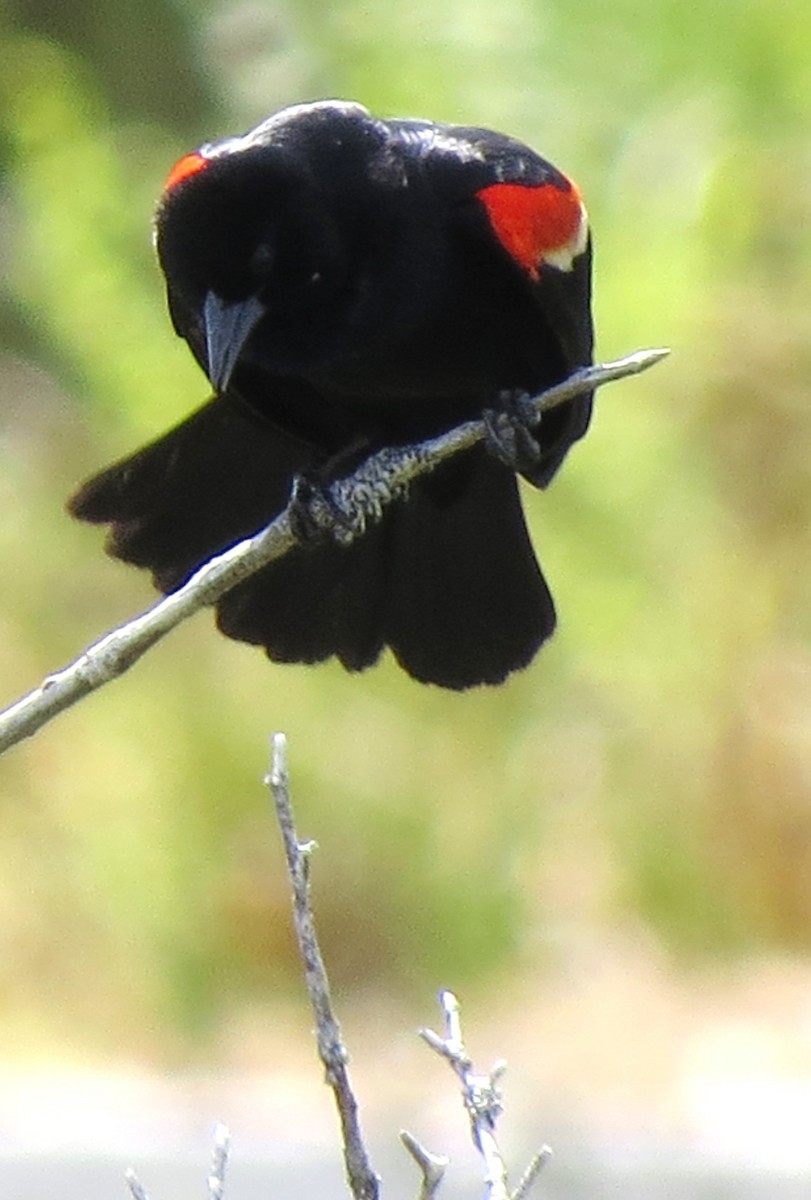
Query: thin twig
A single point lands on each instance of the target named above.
(376, 483)
(482, 1098)
(432, 1166)
(524, 1185)
(134, 1184)
(362, 1180)
(220, 1153)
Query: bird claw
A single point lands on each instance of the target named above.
(510, 431)
(317, 516)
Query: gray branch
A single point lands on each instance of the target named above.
(220, 1151)
(432, 1166)
(137, 1191)
(363, 1182)
(481, 1094)
(531, 1174)
(362, 497)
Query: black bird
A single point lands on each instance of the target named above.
(349, 283)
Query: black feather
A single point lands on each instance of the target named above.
(353, 290)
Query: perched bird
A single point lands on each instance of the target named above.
(349, 283)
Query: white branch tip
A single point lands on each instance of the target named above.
(134, 1184)
(278, 760)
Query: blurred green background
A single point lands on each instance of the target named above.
(652, 771)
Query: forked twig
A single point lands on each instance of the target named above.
(432, 1166)
(481, 1094)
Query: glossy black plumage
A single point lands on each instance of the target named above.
(349, 283)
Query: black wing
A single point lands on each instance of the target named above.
(468, 159)
(217, 477)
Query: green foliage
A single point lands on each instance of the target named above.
(654, 761)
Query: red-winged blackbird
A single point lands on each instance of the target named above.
(349, 283)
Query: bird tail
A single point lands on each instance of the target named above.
(448, 578)
(466, 600)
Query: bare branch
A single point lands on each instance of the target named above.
(531, 1174)
(482, 1098)
(220, 1153)
(363, 1181)
(364, 495)
(134, 1184)
(432, 1166)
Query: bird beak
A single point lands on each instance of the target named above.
(227, 329)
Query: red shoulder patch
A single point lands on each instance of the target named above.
(188, 165)
(533, 222)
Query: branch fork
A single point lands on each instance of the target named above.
(481, 1091)
(481, 1094)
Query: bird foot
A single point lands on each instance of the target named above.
(511, 431)
(318, 516)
